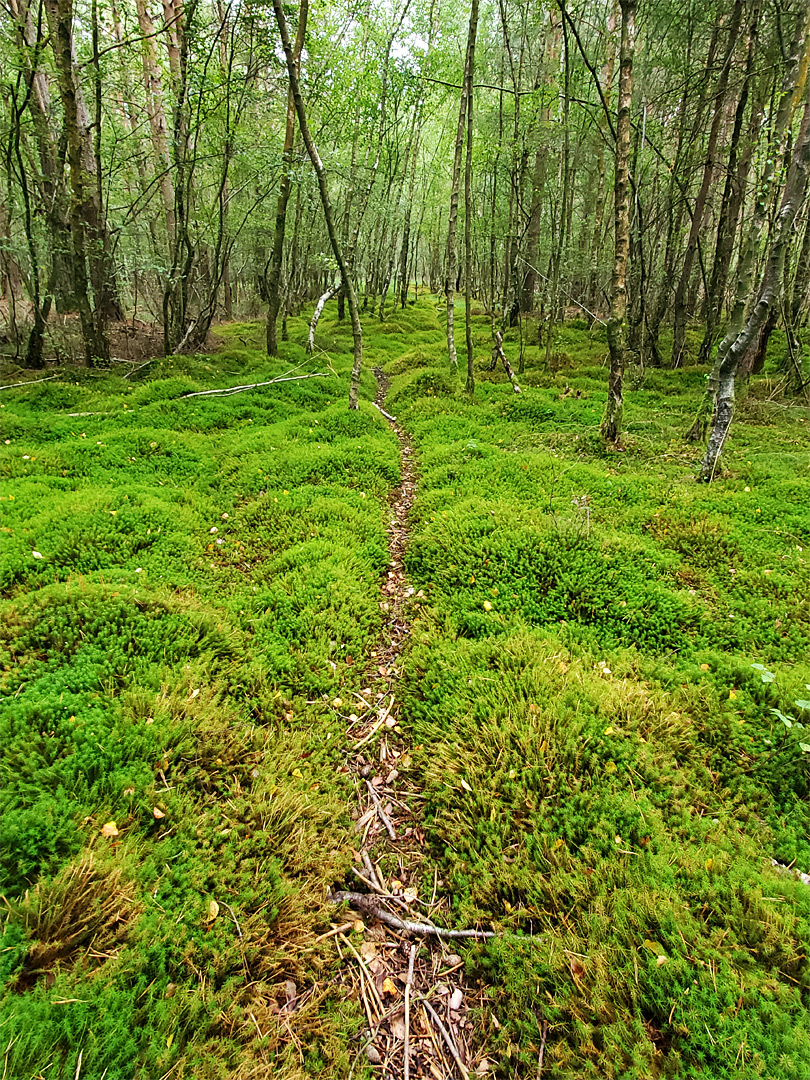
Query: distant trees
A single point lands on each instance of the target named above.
(523, 154)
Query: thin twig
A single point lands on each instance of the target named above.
(255, 386)
(369, 906)
(540, 1056)
(28, 382)
(384, 818)
(387, 416)
(407, 1050)
(448, 1038)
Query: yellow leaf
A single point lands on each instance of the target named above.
(704, 667)
(732, 695)
(710, 865)
(297, 773)
(487, 606)
(213, 910)
(558, 844)
(610, 767)
(608, 731)
(110, 829)
(389, 988)
(654, 947)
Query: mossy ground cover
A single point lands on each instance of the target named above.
(604, 770)
(187, 584)
(605, 778)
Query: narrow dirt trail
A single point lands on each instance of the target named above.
(405, 973)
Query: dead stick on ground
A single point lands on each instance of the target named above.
(28, 382)
(382, 718)
(368, 906)
(384, 818)
(407, 1051)
(448, 1038)
(543, 1035)
(387, 416)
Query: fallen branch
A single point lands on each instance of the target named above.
(407, 1049)
(499, 354)
(184, 339)
(27, 382)
(316, 314)
(255, 386)
(384, 818)
(387, 415)
(445, 1034)
(369, 906)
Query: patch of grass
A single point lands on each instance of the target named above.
(187, 585)
(606, 775)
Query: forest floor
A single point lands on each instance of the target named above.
(246, 639)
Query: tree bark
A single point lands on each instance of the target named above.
(83, 219)
(794, 193)
(450, 269)
(323, 187)
(709, 168)
(285, 187)
(617, 323)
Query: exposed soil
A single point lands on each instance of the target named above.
(441, 1038)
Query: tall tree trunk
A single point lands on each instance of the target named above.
(285, 186)
(323, 187)
(551, 63)
(709, 169)
(156, 111)
(450, 268)
(617, 323)
(733, 193)
(794, 193)
(82, 210)
(468, 210)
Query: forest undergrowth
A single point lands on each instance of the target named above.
(607, 673)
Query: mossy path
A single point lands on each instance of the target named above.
(415, 994)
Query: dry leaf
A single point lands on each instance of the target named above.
(410, 894)
(213, 910)
(397, 1027)
(389, 988)
(456, 998)
(157, 813)
(661, 960)
(109, 829)
(465, 785)
(368, 950)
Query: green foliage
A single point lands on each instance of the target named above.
(606, 774)
(187, 584)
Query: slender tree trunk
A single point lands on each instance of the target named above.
(470, 74)
(617, 323)
(450, 272)
(285, 187)
(153, 87)
(60, 18)
(794, 192)
(709, 169)
(323, 187)
(733, 192)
